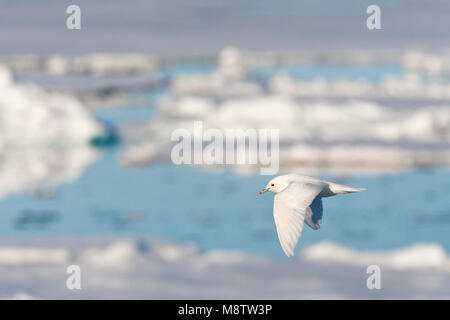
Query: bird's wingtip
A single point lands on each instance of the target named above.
(289, 254)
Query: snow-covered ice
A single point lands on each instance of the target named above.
(145, 269)
(44, 136)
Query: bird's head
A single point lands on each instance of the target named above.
(277, 184)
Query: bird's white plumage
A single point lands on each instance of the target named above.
(290, 210)
(298, 200)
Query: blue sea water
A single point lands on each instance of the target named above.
(370, 72)
(330, 72)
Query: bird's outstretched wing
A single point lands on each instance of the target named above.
(289, 211)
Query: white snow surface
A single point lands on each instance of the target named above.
(152, 269)
(43, 136)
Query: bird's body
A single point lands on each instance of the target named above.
(298, 200)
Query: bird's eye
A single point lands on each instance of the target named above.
(273, 185)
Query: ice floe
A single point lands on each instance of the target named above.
(44, 136)
(145, 269)
(320, 133)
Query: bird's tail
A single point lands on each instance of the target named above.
(340, 189)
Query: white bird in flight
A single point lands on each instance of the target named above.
(298, 199)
